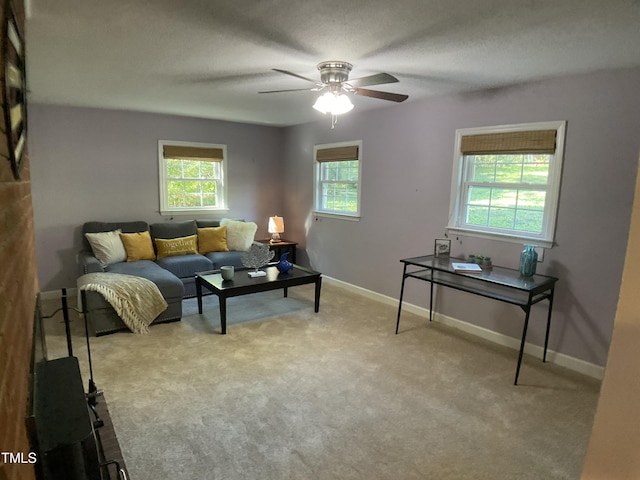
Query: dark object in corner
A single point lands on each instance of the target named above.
(66, 439)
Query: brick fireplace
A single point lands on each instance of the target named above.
(18, 290)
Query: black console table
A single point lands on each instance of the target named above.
(499, 283)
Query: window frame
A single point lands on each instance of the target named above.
(317, 183)
(222, 182)
(460, 182)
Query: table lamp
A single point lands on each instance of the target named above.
(276, 227)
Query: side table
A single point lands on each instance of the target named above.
(281, 247)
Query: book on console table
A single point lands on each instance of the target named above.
(466, 267)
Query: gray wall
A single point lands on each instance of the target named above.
(90, 164)
(102, 165)
(407, 164)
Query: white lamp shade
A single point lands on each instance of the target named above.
(335, 104)
(276, 224)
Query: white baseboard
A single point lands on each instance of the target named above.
(575, 364)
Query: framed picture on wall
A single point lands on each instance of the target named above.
(442, 247)
(14, 88)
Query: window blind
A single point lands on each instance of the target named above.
(337, 154)
(179, 152)
(534, 141)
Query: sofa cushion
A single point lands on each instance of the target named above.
(185, 265)
(138, 246)
(170, 247)
(107, 247)
(240, 235)
(169, 285)
(207, 223)
(218, 259)
(126, 227)
(212, 239)
(173, 229)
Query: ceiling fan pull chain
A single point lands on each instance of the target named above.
(334, 119)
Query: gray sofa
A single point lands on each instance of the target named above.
(174, 275)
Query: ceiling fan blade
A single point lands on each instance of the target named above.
(295, 75)
(290, 90)
(393, 97)
(377, 79)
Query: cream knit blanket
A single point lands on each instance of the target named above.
(135, 299)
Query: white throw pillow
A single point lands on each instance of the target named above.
(240, 235)
(107, 247)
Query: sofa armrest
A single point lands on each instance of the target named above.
(89, 263)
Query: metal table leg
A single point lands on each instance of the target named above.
(546, 336)
(404, 277)
(431, 301)
(316, 303)
(527, 309)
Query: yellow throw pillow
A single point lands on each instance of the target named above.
(212, 239)
(138, 246)
(170, 247)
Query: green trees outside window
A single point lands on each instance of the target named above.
(507, 191)
(340, 186)
(192, 183)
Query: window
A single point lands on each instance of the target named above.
(506, 182)
(192, 177)
(337, 179)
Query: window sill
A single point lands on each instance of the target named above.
(351, 218)
(194, 211)
(501, 237)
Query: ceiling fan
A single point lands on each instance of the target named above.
(334, 79)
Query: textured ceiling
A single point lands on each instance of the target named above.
(211, 58)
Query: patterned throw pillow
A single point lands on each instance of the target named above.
(212, 239)
(138, 246)
(170, 247)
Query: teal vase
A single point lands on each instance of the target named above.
(284, 265)
(528, 261)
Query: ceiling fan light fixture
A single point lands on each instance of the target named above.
(333, 103)
(334, 79)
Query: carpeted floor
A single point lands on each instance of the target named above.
(290, 394)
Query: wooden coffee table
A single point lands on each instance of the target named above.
(243, 284)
